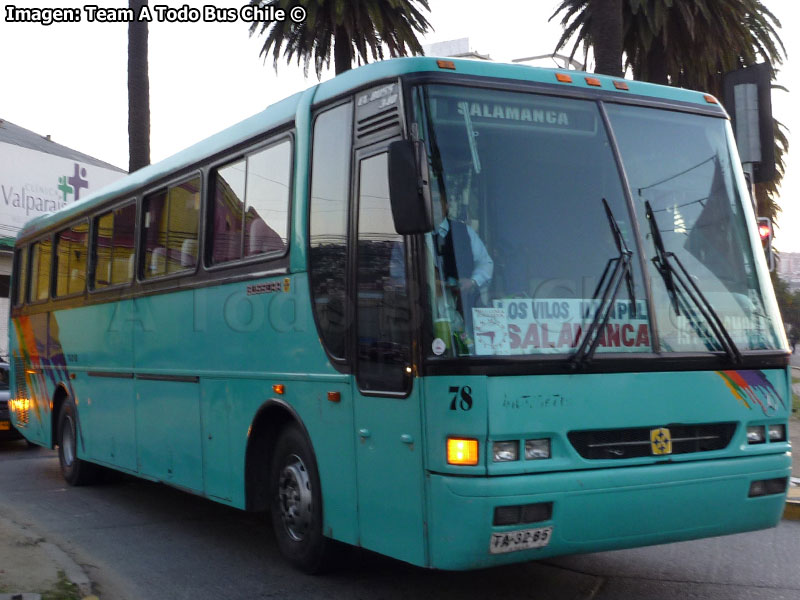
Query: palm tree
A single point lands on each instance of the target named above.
(607, 36)
(689, 43)
(138, 92)
(355, 28)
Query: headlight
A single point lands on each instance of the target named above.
(537, 449)
(777, 433)
(756, 434)
(505, 451)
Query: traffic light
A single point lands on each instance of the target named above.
(765, 233)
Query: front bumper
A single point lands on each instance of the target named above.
(603, 509)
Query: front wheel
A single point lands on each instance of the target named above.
(296, 503)
(74, 470)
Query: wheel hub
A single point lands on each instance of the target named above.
(295, 498)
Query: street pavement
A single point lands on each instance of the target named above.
(138, 540)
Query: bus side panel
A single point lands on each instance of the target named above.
(32, 418)
(217, 401)
(168, 358)
(257, 340)
(97, 347)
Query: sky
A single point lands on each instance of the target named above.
(69, 80)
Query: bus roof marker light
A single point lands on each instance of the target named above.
(621, 85)
(593, 81)
(279, 389)
(446, 64)
(563, 78)
(462, 452)
(710, 99)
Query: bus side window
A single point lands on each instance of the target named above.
(71, 251)
(227, 212)
(327, 258)
(20, 275)
(171, 219)
(40, 270)
(266, 219)
(114, 247)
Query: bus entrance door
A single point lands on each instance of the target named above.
(387, 404)
(390, 476)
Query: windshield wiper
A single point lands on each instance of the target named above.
(473, 145)
(609, 283)
(690, 290)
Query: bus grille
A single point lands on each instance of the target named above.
(608, 444)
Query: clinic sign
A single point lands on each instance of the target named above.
(34, 183)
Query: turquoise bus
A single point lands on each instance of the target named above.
(459, 313)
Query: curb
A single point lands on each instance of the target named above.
(72, 570)
(792, 508)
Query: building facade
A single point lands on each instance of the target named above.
(38, 176)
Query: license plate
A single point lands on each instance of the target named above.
(522, 539)
(5, 425)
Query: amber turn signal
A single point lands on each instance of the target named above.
(462, 451)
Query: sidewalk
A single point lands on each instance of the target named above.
(30, 567)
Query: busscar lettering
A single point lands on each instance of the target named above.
(43, 16)
(264, 288)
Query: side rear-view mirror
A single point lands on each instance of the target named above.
(408, 188)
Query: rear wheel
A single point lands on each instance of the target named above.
(296, 503)
(74, 470)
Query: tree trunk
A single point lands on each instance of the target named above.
(342, 50)
(657, 64)
(138, 92)
(606, 31)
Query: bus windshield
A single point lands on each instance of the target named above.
(533, 230)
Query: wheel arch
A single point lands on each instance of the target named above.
(60, 395)
(270, 419)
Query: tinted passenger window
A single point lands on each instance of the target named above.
(266, 223)
(229, 183)
(171, 220)
(21, 270)
(330, 178)
(251, 204)
(40, 270)
(114, 247)
(71, 253)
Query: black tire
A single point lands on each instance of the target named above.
(74, 470)
(296, 503)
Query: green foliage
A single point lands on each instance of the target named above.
(63, 590)
(358, 28)
(691, 44)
